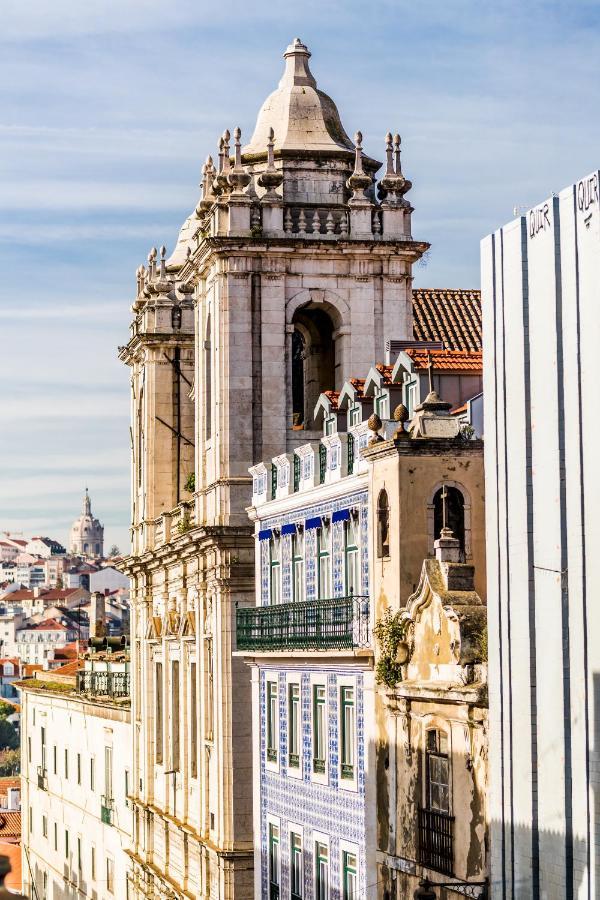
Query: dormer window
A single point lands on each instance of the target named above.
(330, 423)
(382, 403)
(354, 415)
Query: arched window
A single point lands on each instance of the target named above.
(313, 362)
(297, 378)
(449, 510)
(208, 380)
(383, 525)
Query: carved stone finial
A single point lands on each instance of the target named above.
(238, 177)
(375, 425)
(389, 154)
(404, 185)
(401, 415)
(359, 181)
(271, 178)
(163, 261)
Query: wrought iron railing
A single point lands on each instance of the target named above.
(106, 810)
(104, 684)
(436, 850)
(322, 463)
(340, 623)
(350, 454)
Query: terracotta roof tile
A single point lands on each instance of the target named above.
(451, 316)
(12, 849)
(386, 371)
(447, 360)
(332, 396)
(10, 824)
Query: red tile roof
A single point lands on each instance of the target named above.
(447, 360)
(451, 316)
(69, 668)
(332, 396)
(14, 879)
(20, 595)
(46, 625)
(10, 825)
(386, 371)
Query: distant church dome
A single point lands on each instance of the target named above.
(87, 534)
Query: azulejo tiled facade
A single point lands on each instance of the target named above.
(318, 809)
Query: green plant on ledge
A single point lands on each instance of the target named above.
(190, 483)
(389, 631)
(184, 523)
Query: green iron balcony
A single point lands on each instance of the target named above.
(341, 623)
(106, 810)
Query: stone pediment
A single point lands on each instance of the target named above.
(445, 621)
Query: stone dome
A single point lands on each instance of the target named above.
(303, 117)
(87, 534)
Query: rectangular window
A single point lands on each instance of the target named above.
(55, 760)
(175, 714)
(275, 571)
(381, 405)
(297, 881)
(79, 860)
(273, 861)
(44, 827)
(298, 567)
(79, 768)
(438, 772)
(294, 726)
(272, 721)
(93, 862)
(92, 774)
(126, 787)
(30, 820)
(348, 731)
(110, 875)
(324, 561)
(66, 843)
(193, 721)
(55, 836)
(108, 774)
(351, 556)
(158, 690)
(319, 731)
(43, 743)
(322, 871)
(29, 749)
(330, 425)
(66, 763)
(350, 880)
(354, 415)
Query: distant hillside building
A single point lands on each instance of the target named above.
(87, 534)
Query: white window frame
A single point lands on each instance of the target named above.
(273, 822)
(298, 830)
(323, 839)
(347, 784)
(319, 777)
(272, 679)
(294, 680)
(346, 848)
(352, 524)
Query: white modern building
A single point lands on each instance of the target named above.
(75, 766)
(541, 299)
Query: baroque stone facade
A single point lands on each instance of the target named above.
(287, 273)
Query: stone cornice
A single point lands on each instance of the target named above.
(423, 447)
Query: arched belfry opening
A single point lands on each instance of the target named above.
(449, 512)
(313, 361)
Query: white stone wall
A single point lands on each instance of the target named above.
(52, 800)
(541, 291)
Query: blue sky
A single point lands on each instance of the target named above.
(108, 110)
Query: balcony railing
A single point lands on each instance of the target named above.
(338, 624)
(436, 849)
(106, 810)
(42, 778)
(104, 684)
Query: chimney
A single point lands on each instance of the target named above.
(97, 615)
